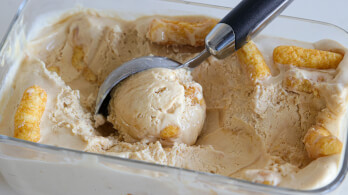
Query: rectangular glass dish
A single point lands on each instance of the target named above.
(32, 168)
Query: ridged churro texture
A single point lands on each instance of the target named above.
(29, 113)
(174, 32)
(255, 65)
(306, 58)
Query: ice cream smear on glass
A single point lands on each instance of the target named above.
(272, 113)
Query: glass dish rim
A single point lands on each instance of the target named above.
(225, 180)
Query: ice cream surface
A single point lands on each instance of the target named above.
(252, 130)
(158, 105)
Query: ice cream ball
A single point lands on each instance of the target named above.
(158, 104)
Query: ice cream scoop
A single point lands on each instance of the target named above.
(171, 108)
(231, 33)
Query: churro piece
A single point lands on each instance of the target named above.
(300, 85)
(29, 112)
(320, 142)
(55, 69)
(266, 177)
(171, 32)
(77, 59)
(89, 75)
(192, 93)
(256, 67)
(78, 63)
(170, 131)
(306, 58)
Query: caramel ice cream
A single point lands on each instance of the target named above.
(266, 120)
(158, 105)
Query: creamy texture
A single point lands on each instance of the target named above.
(251, 132)
(158, 105)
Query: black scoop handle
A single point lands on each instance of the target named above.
(242, 23)
(250, 15)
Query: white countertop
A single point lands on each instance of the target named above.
(333, 11)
